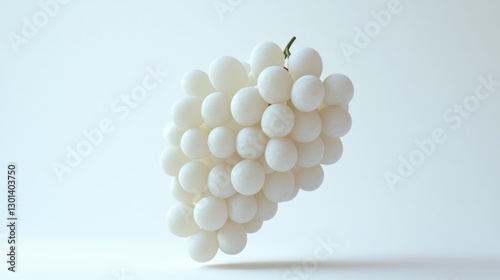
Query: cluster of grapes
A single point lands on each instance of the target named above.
(247, 136)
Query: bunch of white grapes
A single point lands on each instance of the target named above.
(247, 136)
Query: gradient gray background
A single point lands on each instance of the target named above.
(105, 220)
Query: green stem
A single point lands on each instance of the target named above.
(286, 51)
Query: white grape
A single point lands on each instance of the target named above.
(222, 142)
(335, 120)
(216, 109)
(251, 142)
(305, 61)
(307, 126)
(265, 55)
(253, 226)
(281, 154)
(196, 83)
(274, 84)
(180, 220)
(266, 209)
(333, 149)
(248, 176)
(172, 159)
(186, 111)
(194, 143)
(277, 121)
(219, 181)
(310, 153)
(307, 93)
(338, 89)
(193, 176)
(247, 106)
(232, 238)
(309, 179)
(178, 193)
(279, 186)
(294, 193)
(202, 245)
(172, 134)
(227, 74)
(247, 136)
(210, 213)
(242, 208)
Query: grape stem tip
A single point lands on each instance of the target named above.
(286, 51)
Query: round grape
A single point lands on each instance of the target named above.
(193, 176)
(251, 142)
(172, 159)
(307, 126)
(248, 176)
(253, 226)
(266, 209)
(265, 55)
(335, 120)
(310, 153)
(196, 83)
(219, 181)
(180, 220)
(210, 213)
(186, 111)
(247, 106)
(277, 121)
(307, 93)
(216, 109)
(242, 208)
(194, 143)
(222, 142)
(232, 238)
(333, 149)
(294, 193)
(202, 245)
(281, 154)
(178, 193)
(275, 84)
(172, 134)
(305, 61)
(309, 179)
(279, 186)
(338, 90)
(227, 74)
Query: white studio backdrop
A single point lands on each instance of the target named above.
(415, 194)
